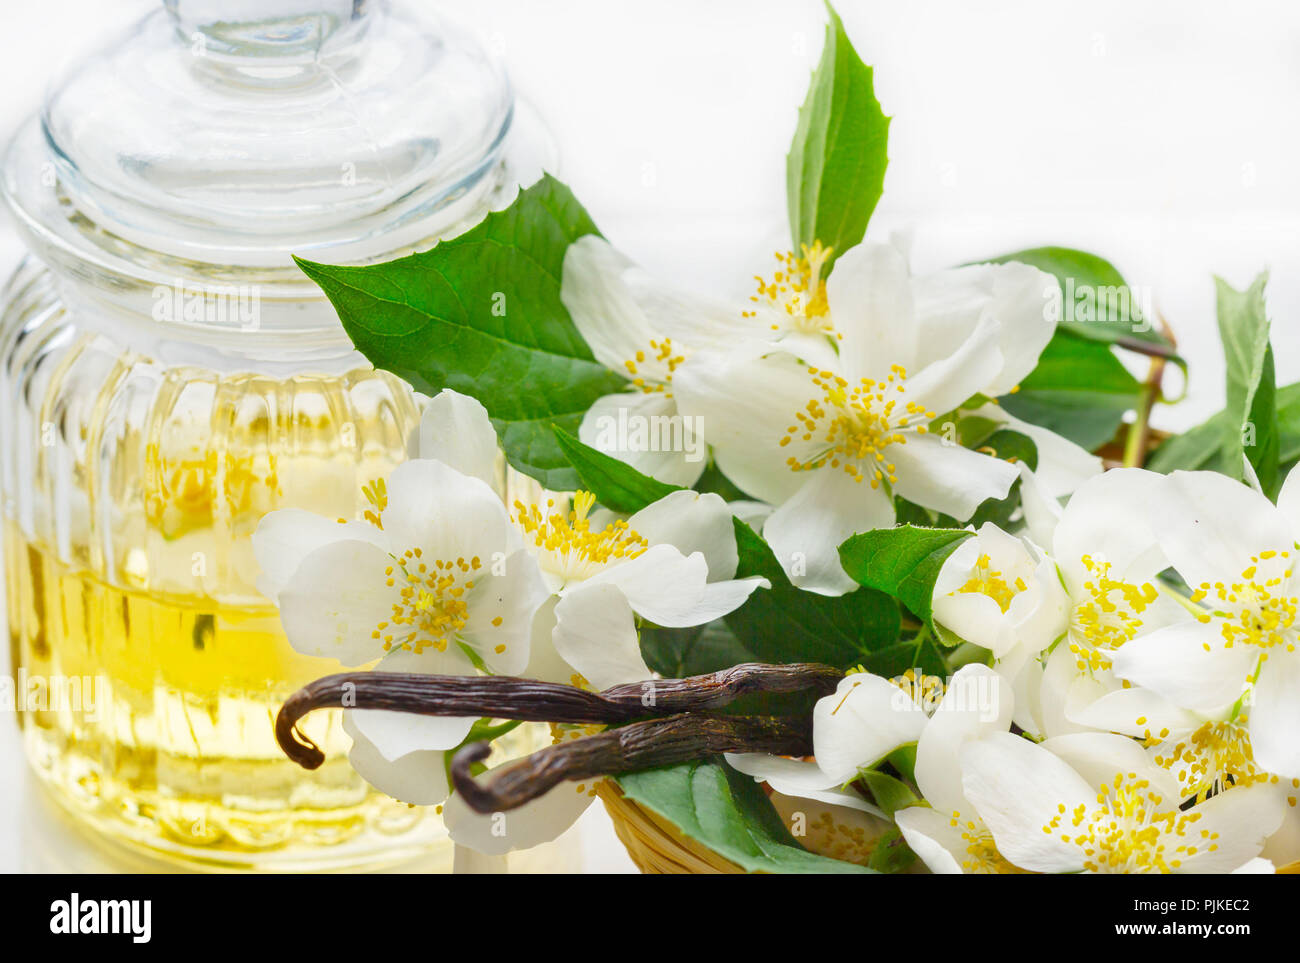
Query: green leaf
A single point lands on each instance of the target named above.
(889, 793)
(694, 650)
(787, 624)
(616, 485)
(1097, 303)
(891, 854)
(481, 313)
(1197, 449)
(1202, 448)
(1251, 387)
(904, 760)
(729, 813)
(1079, 389)
(901, 562)
(835, 171)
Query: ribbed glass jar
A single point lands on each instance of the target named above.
(167, 377)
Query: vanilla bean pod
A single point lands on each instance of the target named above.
(637, 746)
(526, 700)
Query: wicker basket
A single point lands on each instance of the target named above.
(654, 844)
(657, 848)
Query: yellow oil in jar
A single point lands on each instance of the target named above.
(154, 719)
(147, 668)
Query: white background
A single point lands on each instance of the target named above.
(1163, 135)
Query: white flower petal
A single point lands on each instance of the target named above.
(1244, 818)
(418, 778)
(692, 522)
(697, 322)
(1283, 846)
(746, 407)
(455, 429)
(595, 632)
(799, 778)
(673, 590)
(530, 825)
(604, 308)
(1026, 302)
(1018, 787)
(1174, 662)
(544, 663)
(949, 305)
(335, 601)
(1211, 525)
(865, 719)
(446, 514)
(1042, 512)
(647, 431)
(618, 307)
(977, 619)
(933, 838)
(1027, 684)
(1062, 465)
(723, 598)
(1064, 688)
(753, 514)
(288, 535)
(1288, 501)
(814, 349)
(1275, 715)
(501, 607)
(1098, 757)
(1109, 519)
(806, 531)
(397, 734)
(949, 382)
(948, 478)
(1120, 709)
(1257, 866)
(870, 297)
(978, 701)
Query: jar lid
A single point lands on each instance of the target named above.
(218, 137)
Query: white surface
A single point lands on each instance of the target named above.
(1159, 134)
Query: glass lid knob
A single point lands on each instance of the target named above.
(265, 27)
(241, 131)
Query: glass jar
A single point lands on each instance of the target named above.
(167, 377)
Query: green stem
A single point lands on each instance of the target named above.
(1135, 442)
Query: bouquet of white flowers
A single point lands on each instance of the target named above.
(863, 575)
